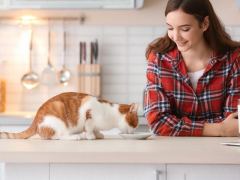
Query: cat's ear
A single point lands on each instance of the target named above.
(134, 107)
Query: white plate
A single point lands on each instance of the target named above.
(136, 135)
(231, 143)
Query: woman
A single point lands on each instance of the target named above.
(193, 74)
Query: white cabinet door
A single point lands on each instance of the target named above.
(15, 171)
(107, 172)
(11, 129)
(2, 168)
(203, 172)
(2, 171)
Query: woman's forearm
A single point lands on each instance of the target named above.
(211, 129)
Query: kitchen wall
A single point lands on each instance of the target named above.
(121, 51)
(121, 55)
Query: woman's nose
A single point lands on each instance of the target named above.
(176, 36)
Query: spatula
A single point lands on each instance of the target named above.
(49, 74)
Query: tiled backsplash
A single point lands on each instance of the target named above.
(121, 55)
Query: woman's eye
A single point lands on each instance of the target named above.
(170, 29)
(185, 30)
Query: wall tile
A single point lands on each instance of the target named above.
(140, 30)
(113, 40)
(137, 59)
(114, 30)
(114, 79)
(114, 50)
(159, 31)
(116, 98)
(137, 79)
(236, 31)
(114, 88)
(138, 69)
(135, 88)
(114, 60)
(140, 40)
(113, 69)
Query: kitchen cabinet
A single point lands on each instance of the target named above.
(3, 4)
(200, 172)
(72, 4)
(107, 171)
(85, 171)
(12, 129)
(27, 171)
(60, 171)
(2, 168)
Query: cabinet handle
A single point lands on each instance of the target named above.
(158, 174)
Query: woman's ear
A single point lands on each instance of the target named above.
(206, 23)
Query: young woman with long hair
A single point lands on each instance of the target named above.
(193, 74)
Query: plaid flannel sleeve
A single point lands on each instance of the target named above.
(233, 90)
(157, 108)
(233, 87)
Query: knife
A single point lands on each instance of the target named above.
(96, 51)
(80, 46)
(92, 52)
(84, 52)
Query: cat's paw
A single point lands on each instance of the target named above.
(90, 136)
(99, 135)
(75, 137)
(83, 136)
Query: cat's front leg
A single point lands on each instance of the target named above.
(98, 134)
(89, 126)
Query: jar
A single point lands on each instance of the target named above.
(2, 95)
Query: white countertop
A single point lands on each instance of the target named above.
(27, 117)
(115, 149)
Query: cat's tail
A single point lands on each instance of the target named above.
(32, 130)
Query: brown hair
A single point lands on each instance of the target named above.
(215, 35)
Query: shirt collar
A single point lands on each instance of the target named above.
(175, 55)
(215, 57)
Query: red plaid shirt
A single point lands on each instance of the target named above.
(173, 108)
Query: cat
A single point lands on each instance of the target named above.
(67, 115)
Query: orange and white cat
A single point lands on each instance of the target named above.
(67, 115)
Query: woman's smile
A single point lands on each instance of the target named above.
(181, 43)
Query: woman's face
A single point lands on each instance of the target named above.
(184, 30)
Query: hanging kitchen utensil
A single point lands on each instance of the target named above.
(48, 74)
(30, 80)
(64, 74)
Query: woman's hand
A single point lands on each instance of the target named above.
(229, 127)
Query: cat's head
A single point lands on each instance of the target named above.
(130, 121)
